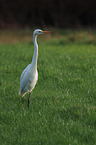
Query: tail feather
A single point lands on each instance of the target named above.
(22, 93)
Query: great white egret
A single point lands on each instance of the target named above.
(29, 76)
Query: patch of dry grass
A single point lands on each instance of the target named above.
(19, 36)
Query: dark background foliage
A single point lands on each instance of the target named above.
(58, 13)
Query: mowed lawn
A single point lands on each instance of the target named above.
(63, 102)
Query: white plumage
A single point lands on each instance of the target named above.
(29, 76)
(28, 79)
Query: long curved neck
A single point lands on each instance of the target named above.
(35, 55)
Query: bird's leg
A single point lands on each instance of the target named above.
(28, 100)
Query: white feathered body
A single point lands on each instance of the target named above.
(28, 79)
(29, 76)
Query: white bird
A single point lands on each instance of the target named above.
(29, 76)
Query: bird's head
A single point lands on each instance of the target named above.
(39, 31)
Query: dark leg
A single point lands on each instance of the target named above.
(28, 100)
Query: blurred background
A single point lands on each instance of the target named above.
(63, 103)
(47, 13)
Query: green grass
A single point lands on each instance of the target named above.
(63, 103)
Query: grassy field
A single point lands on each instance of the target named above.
(63, 103)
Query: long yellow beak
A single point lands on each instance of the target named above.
(46, 31)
